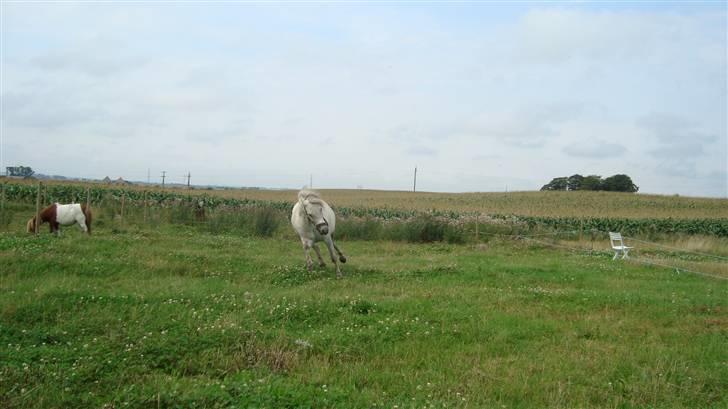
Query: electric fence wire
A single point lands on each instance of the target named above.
(559, 233)
(635, 259)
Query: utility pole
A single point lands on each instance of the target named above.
(188, 179)
(310, 181)
(164, 175)
(149, 175)
(414, 186)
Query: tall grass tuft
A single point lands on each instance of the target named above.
(359, 229)
(252, 221)
(267, 221)
(426, 229)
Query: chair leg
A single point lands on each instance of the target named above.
(625, 254)
(616, 253)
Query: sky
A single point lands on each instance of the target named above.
(488, 96)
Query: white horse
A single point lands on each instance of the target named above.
(314, 221)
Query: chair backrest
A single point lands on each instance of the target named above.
(616, 237)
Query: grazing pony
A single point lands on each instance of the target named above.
(314, 221)
(64, 215)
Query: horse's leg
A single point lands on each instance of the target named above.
(81, 221)
(306, 250)
(318, 253)
(330, 245)
(342, 258)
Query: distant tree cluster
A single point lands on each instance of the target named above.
(616, 183)
(20, 171)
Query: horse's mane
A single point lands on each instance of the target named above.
(310, 195)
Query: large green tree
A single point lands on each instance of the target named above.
(556, 184)
(619, 183)
(616, 183)
(574, 182)
(592, 182)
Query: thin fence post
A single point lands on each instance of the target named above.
(2, 205)
(145, 207)
(121, 215)
(88, 198)
(591, 239)
(477, 229)
(36, 228)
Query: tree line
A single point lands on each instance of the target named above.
(19, 171)
(616, 183)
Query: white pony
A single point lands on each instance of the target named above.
(314, 221)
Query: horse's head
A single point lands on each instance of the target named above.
(314, 210)
(31, 225)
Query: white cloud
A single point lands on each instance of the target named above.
(596, 149)
(264, 95)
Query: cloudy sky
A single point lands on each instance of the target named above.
(478, 96)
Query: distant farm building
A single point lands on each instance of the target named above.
(121, 181)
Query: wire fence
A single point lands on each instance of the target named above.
(641, 260)
(117, 213)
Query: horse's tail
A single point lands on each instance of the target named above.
(86, 209)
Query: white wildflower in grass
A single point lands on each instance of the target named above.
(303, 343)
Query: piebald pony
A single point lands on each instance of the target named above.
(64, 215)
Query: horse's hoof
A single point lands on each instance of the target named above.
(322, 265)
(339, 276)
(342, 259)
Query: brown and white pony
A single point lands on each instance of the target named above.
(64, 215)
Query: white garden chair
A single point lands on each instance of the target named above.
(618, 245)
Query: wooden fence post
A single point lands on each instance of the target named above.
(591, 239)
(88, 198)
(37, 210)
(145, 207)
(2, 205)
(121, 216)
(477, 230)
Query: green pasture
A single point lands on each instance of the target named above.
(168, 315)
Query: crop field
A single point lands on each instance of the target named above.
(159, 308)
(538, 204)
(630, 213)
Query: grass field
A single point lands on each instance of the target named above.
(173, 316)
